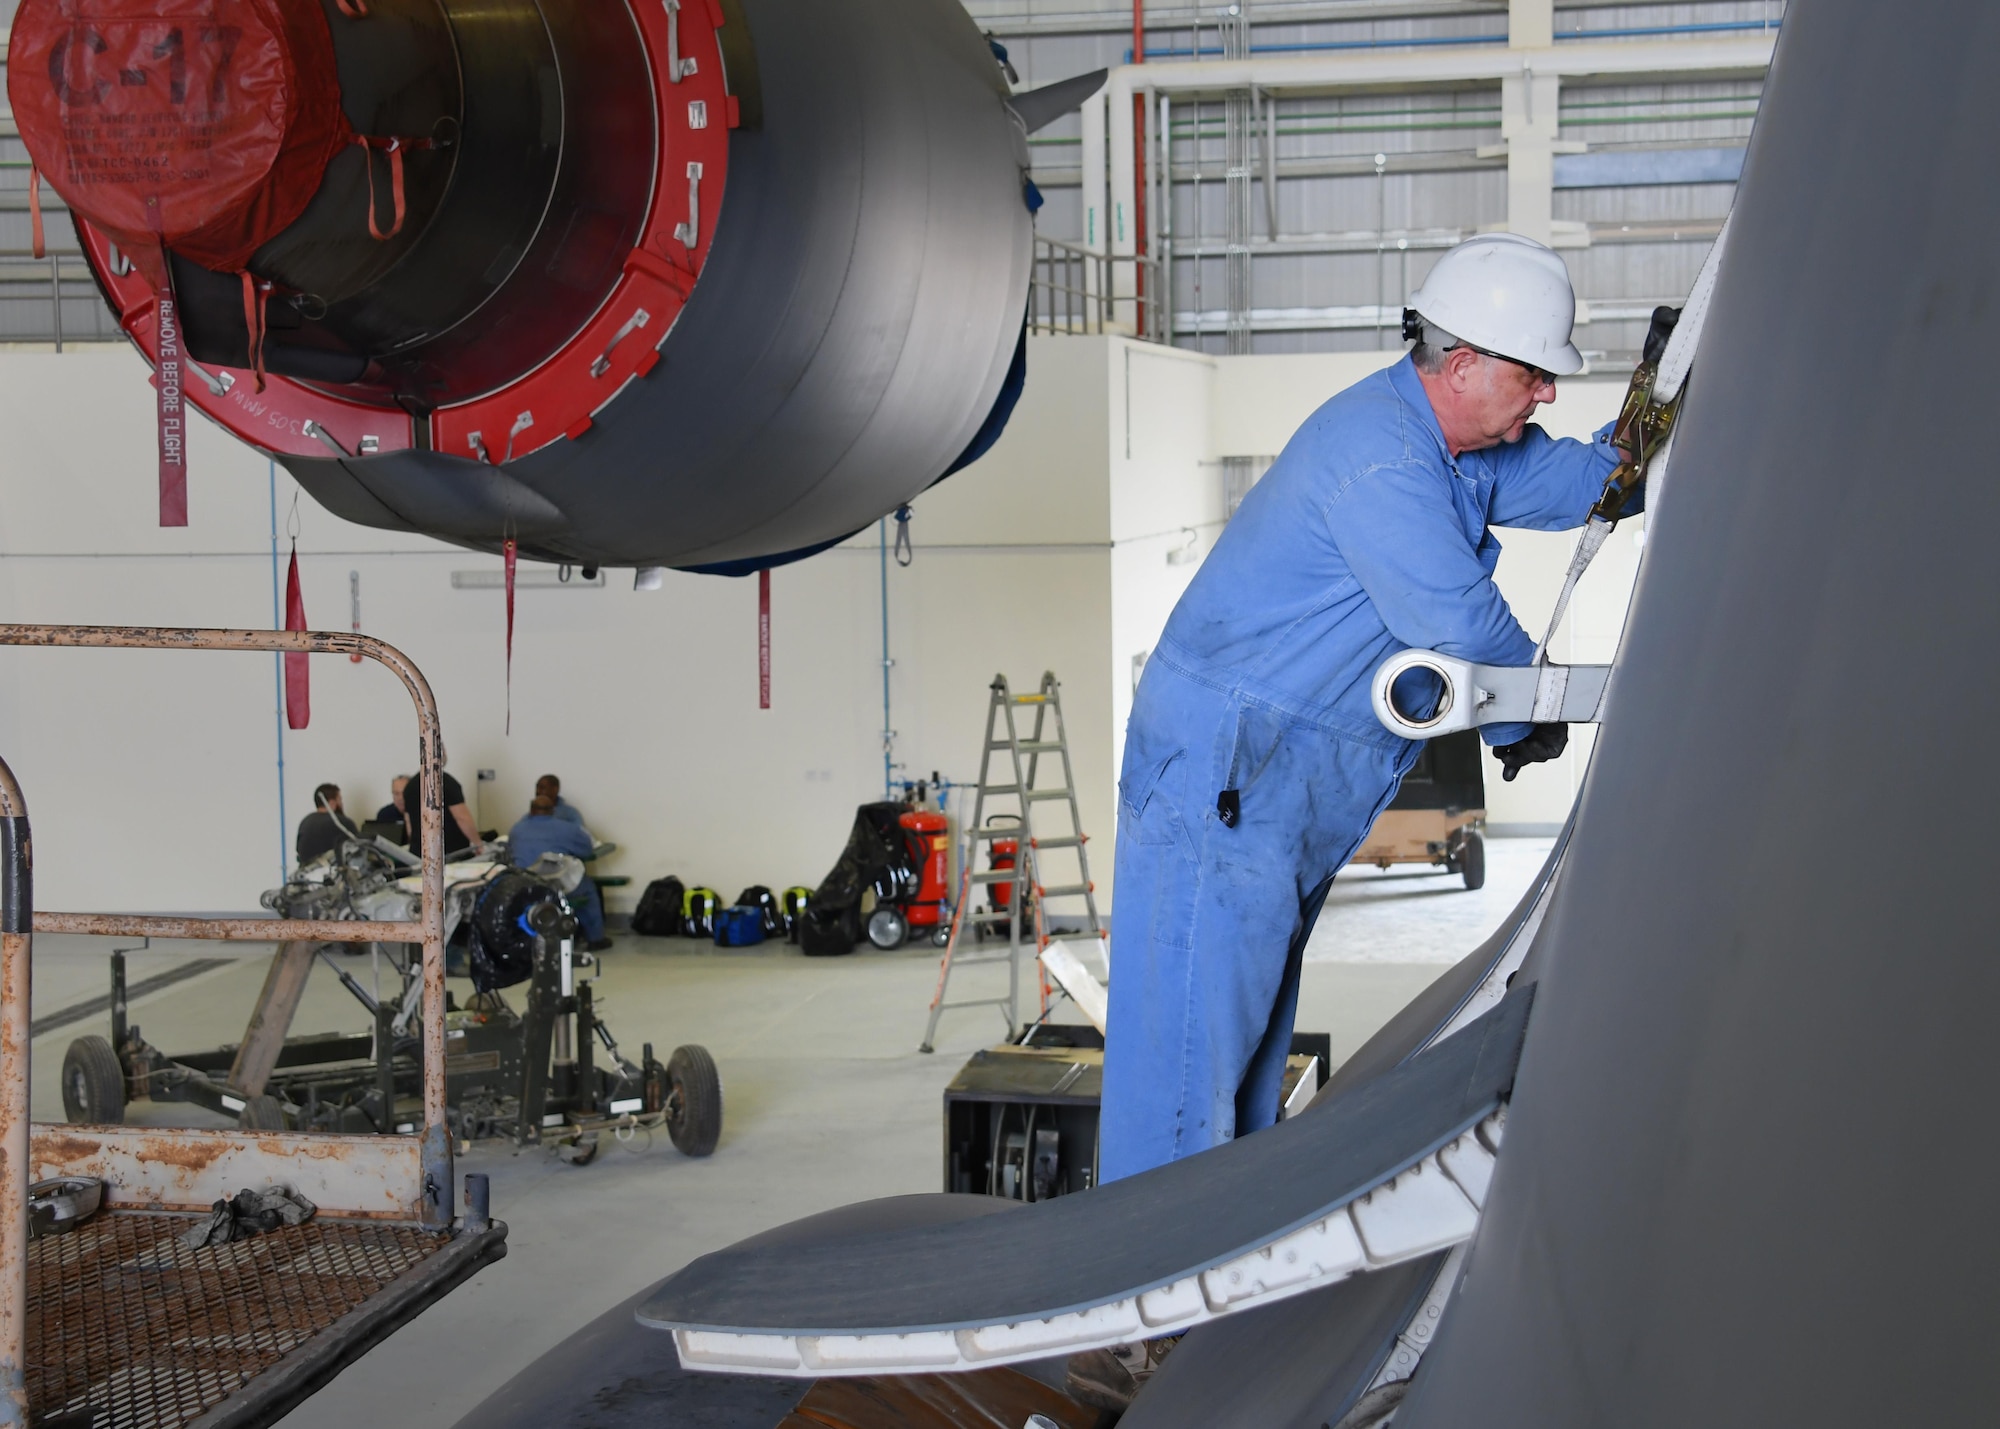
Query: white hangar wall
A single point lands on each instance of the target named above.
(154, 778)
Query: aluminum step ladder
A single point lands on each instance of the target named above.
(1019, 780)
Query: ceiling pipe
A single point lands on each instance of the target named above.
(1747, 56)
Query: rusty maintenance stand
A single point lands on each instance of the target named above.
(117, 1320)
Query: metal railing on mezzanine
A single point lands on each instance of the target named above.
(53, 299)
(1073, 290)
(1078, 291)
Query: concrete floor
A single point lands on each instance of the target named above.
(1410, 913)
(827, 1102)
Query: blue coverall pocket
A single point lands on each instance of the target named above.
(1158, 871)
(1264, 749)
(1149, 813)
(1306, 796)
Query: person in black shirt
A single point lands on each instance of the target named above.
(392, 812)
(459, 830)
(321, 831)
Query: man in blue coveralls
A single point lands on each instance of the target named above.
(1254, 764)
(543, 830)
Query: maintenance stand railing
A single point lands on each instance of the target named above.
(118, 1320)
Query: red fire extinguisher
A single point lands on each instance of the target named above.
(929, 908)
(1003, 855)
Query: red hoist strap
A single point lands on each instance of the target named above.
(393, 147)
(353, 9)
(764, 639)
(507, 554)
(35, 211)
(256, 311)
(298, 689)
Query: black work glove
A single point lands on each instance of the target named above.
(1662, 327)
(1545, 741)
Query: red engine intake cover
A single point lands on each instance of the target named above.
(205, 125)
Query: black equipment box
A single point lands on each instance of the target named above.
(1021, 1121)
(1448, 775)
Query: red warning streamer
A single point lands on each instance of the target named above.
(38, 237)
(298, 689)
(354, 612)
(763, 639)
(173, 419)
(507, 553)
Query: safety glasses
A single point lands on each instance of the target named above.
(1541, 379)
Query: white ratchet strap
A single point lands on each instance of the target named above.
(1666, 386)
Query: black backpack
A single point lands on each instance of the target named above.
(766, 903)
(659, 912)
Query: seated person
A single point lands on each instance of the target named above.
(322, 831)
(460, 832)
(392, 812)
(543, 831)
(551, 787)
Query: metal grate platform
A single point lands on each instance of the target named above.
(129, 1328)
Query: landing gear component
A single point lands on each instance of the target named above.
(262, 1112)
(694, 1101)
(93, 1084)
(552, 1076)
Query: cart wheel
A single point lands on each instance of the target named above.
(262, 1113)
(694, 1101)
(887, 927)
(1472, 860)
(941, 935)
(93, 1084)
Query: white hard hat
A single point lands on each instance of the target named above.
(1507, 295)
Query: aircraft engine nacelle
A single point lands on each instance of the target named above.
(634, 282)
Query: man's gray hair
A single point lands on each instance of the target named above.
(1432, 345)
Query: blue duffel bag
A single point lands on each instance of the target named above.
(739, 926)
